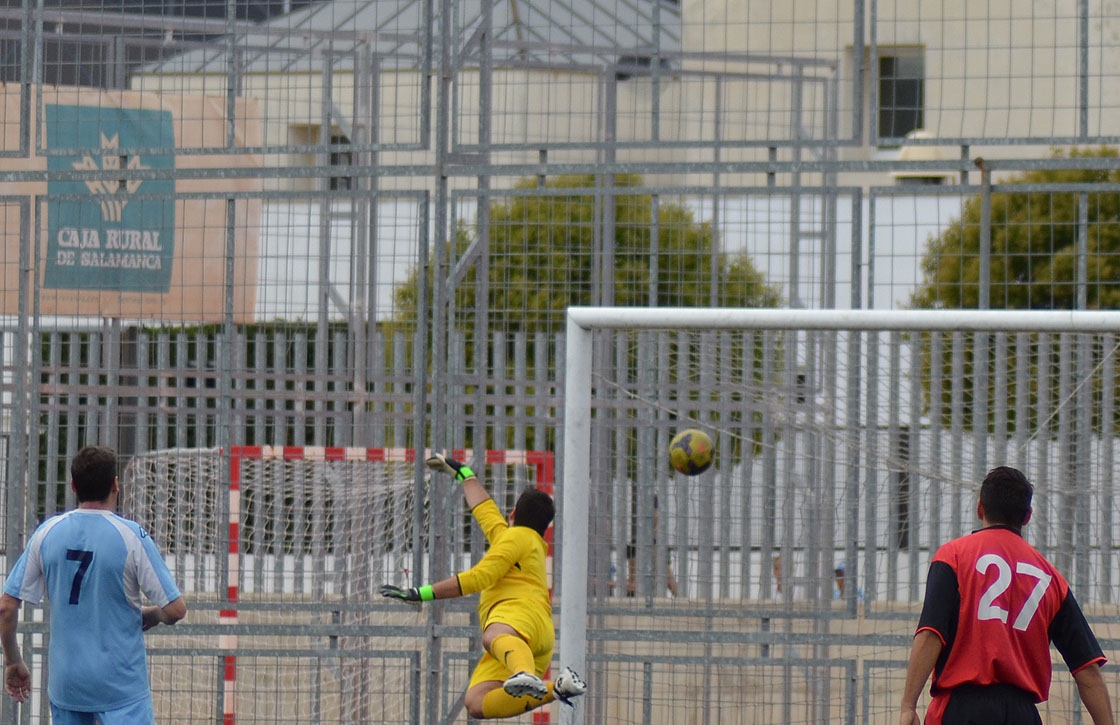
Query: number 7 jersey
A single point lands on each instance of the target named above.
(93, 566)
(996, 604)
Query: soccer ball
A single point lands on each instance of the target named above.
(690, 452)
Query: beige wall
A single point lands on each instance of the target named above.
(197, 276)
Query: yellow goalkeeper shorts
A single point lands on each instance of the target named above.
(533, 627)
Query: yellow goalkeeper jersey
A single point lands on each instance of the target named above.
(513, 569)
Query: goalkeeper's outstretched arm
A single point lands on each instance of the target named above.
(474, 493)
(444, 589)
(473, 490)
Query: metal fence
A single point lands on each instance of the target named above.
(356, 224)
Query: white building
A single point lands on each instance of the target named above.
(812, 99)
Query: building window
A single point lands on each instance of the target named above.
(901, 94)
(901, 180)
(342, 160)
(639, 65)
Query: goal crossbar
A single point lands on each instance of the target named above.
(591, 318)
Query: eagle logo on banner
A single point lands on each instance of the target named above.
(111, 199)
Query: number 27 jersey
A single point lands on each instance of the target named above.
(996, 604)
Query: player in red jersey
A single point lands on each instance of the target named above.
(993, 604)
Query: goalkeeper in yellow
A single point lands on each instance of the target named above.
(514, 605)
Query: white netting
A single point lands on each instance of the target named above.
(308, 526)
(838, 444)
(316, 538)
(864, 448)
(175, 494)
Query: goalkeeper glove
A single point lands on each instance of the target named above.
(440, 462)
(412, 594)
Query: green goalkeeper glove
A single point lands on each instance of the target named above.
(412, 594)
(440, 462)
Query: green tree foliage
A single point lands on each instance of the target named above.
(541, 252)
(1033, 249)
(1033, 266)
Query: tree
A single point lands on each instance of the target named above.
(541, 255)
(1033, 246)
(1033, 266)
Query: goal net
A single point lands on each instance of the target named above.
(286, 538)
(849, 446)
(289, 546)
(309, 524)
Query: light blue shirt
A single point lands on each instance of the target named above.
(93, 566)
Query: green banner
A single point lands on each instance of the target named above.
(113, 241)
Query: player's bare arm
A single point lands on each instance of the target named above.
(17, 678)
(923, 656)
(473, 492)
(1093, 691)
(168, 615)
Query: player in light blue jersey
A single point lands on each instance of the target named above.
(93, 566)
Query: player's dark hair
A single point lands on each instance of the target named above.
(1006, 494)
(93, 471)
(534, 509)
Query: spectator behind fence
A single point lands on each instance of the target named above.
(632, 558)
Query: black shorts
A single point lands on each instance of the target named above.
(990, 705)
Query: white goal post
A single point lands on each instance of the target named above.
(583, 322)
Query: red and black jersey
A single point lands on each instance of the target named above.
(997, 603)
